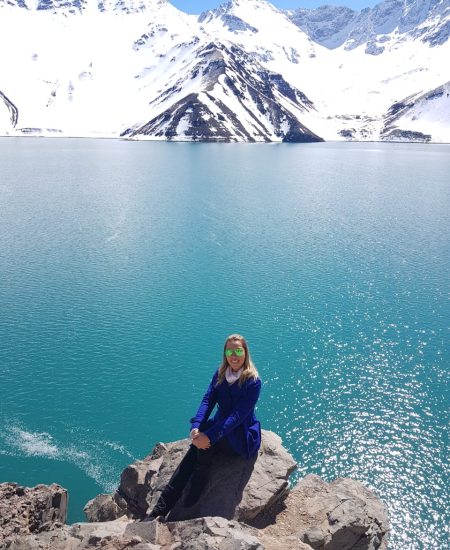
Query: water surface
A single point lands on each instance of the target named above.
(124, 265)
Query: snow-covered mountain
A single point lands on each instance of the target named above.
(389, 54)
(392, 21)
(238, 98)
(246, 71)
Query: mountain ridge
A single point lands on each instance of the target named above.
(333, 26)
(113, 68)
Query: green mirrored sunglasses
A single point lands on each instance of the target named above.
(239, 352)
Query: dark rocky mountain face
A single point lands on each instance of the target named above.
(13, 111)
(326, 25)
(14, 3)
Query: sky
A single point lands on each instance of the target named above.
(197, 6)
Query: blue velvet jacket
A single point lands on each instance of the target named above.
(235, 417)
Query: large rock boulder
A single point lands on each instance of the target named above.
(104, 507)
(238, 489)
(340, 515)
(25, 510)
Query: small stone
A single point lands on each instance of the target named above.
(315, 537)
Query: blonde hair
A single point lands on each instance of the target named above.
(249, 370)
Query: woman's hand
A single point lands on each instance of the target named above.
(194, 433)
(201, 441)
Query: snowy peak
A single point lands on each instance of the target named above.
(241, 15)
(230, 98)
(230, 21)
(260, 29)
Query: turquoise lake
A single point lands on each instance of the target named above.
(124, 265)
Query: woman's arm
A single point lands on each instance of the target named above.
(241, 410)
(206, 406)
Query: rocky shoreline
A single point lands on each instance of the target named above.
(247, 505)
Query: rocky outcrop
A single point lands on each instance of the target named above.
(246, 506)
(396, 134)
(341, 515)
(238, 489)
(197, 534)
(26, 510)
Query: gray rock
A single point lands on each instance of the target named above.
(103, 508)
(238, 489)
(315, 537)
(25, 510)
(373, 48)
(213, 532)
(51, 540)
(110, 535)
(197, 534)
(341, 515)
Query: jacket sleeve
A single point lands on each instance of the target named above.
(243, 407)
(207, 404)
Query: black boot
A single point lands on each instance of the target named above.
(160, 510)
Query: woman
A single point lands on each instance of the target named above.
(234, 430)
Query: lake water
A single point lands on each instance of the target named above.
(124, 265)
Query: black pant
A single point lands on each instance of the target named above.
(196, 461)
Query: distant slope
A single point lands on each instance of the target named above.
(406, 119)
